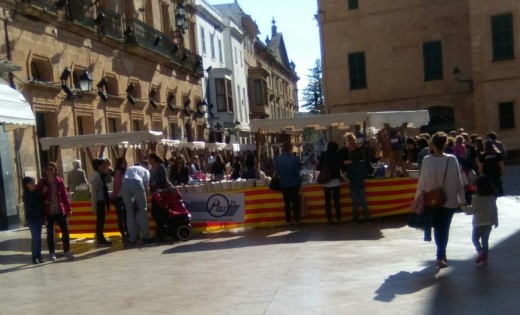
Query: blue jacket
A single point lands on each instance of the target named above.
(288, 167)
(34, 206)
(356, 173)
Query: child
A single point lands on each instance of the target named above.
(356, 173)
(484, 209)
(34, 213)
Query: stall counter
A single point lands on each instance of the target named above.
(264, 207)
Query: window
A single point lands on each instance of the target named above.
(224, 93)
(432, 60)
(258, 87)
(502, 37)
(353, 4)
(203, 39)
(506, 115)
(220, 59)
(165, 16)
(136, 124)
(112, 125)
(236, 56)
(241, 59)
(173, 131)
(356, 67)
(212, 45)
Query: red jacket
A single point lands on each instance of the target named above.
(63, 196)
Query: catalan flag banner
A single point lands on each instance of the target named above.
(265, 208)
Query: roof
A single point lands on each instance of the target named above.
(277, 47)
(15, 111)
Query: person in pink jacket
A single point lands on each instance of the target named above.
(57, 209)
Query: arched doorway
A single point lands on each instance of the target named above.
(442, 118)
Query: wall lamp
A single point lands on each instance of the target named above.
(63, 78)
(181, 19)
(457, 74)
(157, 41)
(102, 86)
(187, 107)
(151, 98)
(129, 96)
(100, 18)
(202, 107)
(85, 82)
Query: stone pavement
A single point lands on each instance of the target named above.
(382, 267)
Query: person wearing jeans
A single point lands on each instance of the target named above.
(288, 168)
(440, 170)
(135, 181)
(356, 173)
(57, 208)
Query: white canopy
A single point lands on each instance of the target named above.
(414, 118)
(110, 139)
(15, 111)
(192, 145)
(340, 120)
(375, 120)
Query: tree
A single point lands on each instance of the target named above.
(313, 99)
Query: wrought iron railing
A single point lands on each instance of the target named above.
(47, 5)
(112, 24)
(81, 12)
(146, 36)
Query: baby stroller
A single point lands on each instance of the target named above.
(177, 218)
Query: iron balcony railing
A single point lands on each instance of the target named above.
(148, 37)
(81, 12)
(46, 5)
(111, 24)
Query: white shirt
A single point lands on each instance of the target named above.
(137, 173)
(432, 173)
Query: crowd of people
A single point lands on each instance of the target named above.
(463, 158)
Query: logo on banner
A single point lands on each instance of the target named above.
(219, 206)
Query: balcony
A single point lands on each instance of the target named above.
(112, 24)
(45, 5)
(148, 37)
(81, 12)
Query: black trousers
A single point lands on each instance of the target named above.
(160, 218)
(291, 199)
(100, 220)
(61, 219)
(334, 192)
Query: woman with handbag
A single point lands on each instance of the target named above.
(288, 168)
(441, 184)
(329, 166)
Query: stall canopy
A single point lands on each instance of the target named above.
(340, 120)
(375, 120)
(414, 118)
(15, 111)
(124, 139)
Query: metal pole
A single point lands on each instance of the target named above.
(8, 48)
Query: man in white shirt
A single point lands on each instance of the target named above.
(133, 191)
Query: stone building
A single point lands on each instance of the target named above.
(94, 67)
(454, 58)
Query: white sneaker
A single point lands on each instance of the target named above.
(68, 255)
(52, 257)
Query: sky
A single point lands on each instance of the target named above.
(295, 20)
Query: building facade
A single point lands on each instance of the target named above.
(102, 67)
(454, 58)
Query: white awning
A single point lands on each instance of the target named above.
(414, 118)
(15, 111)
(124, 139)
(340, 120)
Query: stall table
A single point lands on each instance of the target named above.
(264, 207)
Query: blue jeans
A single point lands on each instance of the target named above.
(334, 191)
(36, 238)
(134, 195)
(65, 238)
(480, 238)
(440, 220)
(121, 217)
(359, 199)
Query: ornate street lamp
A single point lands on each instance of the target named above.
(181, 18)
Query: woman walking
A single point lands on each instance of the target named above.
(34, 209)
(57, 209)
(98, 198)
(158, 180)
(288, 167)
(440, 170)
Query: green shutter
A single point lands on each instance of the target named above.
(502, 37)
(432, 59)
(506, 115)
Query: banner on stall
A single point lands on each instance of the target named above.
(208, 207)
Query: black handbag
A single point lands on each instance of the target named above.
(275, 183)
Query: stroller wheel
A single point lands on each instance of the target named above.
(184, 233)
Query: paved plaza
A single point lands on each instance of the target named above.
(382, 267)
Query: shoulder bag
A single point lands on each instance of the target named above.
(436, 198)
